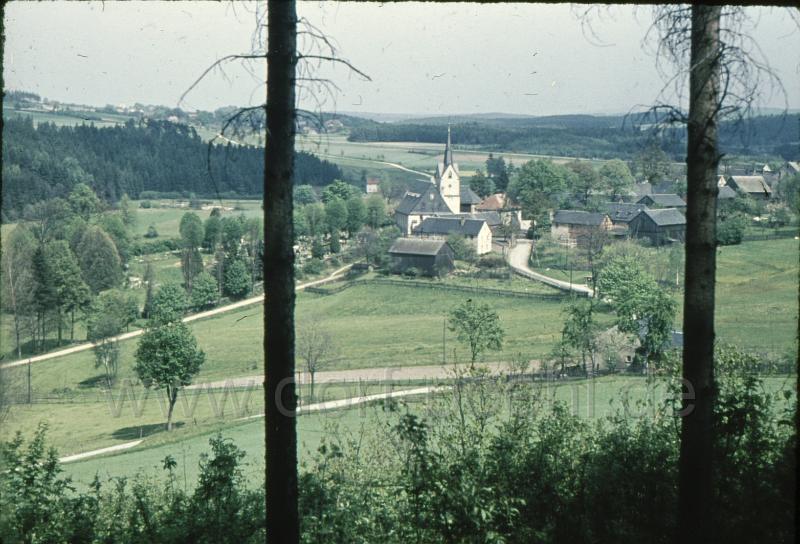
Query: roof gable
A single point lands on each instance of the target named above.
(577, 217)
(668, 200)
(417, 246)
(665, 217)
(623, 212)
(750, 184)
(430, 202)
(451, 225)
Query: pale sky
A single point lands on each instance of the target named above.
(423, 58)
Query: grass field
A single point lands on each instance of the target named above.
(593, 399)
(166, 220)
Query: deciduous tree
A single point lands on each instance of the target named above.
(477, 326)
(168, 358)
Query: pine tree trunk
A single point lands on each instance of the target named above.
(280, 395)
(695, 509)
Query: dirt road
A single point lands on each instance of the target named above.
(194, 317)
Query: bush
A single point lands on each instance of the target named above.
(314, 267)
(730, 230)
(492, 261)
(151, 232)
(145, 204)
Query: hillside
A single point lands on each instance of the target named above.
(46, 161)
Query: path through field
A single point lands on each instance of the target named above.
(318, 407)
(387, 374)
(202, 315)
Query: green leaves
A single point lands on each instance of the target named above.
(168, 356)
(477, 326)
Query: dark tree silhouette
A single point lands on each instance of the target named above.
(280, 395)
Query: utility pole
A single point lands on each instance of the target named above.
(444, 341)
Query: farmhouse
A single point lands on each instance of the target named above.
(475, 230)
(754, 186)
(373, 186)
(660, 226)
(509, 212)
(429, 257)
(726, 193)
(621, 213)
(662, 200)
(576, 228)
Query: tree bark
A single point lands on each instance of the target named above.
(696, 492)
(280, 395)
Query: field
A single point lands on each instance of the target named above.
(756, 292)
(593, 399)
(166, 220)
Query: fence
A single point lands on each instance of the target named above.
(436, 285)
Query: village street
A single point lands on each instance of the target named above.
(518, 260)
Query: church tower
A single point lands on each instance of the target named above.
(448, 180)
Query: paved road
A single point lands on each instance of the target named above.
(387, 374)
(518, 260)
(194, 317)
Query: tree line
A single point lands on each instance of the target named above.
(600, 137)
(66, 262)
(46, 161)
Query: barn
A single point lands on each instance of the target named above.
(429, 257)
(660, 226)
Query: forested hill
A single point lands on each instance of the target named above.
(586, 135)
(47, 161)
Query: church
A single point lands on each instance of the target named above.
(442, 206)
(442, 195)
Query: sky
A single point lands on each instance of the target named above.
(421, 58)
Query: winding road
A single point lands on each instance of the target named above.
(518, 257)
(194, 317)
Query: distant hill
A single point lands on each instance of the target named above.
(613, 136)
(46, 161)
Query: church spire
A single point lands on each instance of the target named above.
(448, 149)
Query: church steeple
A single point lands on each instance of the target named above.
(448, 150)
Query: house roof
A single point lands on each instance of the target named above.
(750, 184)
(496, 201)
(468, 196)
(576, 217)
(373, 181)
(623, 212)
(450, 225)
(430, 201)
(416, 246)
(642, 189)
(726, 193)
(492, 218)
(668, 200)
(793, 166)
(665, 217)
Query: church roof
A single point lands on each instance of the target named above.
(430, 201)
(468, 196)
(448, 150)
